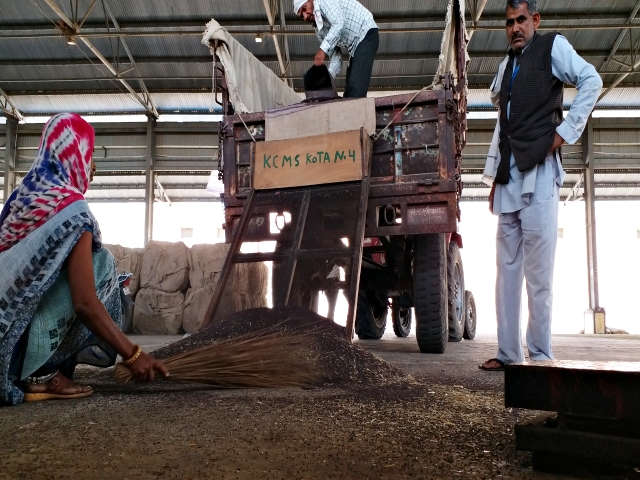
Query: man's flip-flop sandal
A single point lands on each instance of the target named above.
(54, 390)
(492, 369)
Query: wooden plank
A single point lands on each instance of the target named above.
(228, 264)
(356, 260)
(321, 159)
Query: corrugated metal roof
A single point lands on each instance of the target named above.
(179, 63)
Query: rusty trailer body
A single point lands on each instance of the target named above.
(411, 255)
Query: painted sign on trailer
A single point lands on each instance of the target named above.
(316, 160)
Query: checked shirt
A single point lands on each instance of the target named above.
(345, 24)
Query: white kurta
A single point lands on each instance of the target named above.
(528, 223)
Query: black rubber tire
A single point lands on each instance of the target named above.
(455, 293)
(470, 318)
(371, 317)
(430, 292)
(402, 318)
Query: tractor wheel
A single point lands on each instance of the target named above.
(470, 316)
(402, 318)
(430, 292)
(455, 286)
(371, 316)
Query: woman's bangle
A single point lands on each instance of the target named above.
(133, 357)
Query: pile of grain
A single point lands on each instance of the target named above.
(341, 362)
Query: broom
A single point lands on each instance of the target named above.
(264, 359)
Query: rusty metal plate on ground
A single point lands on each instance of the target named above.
(595, 389)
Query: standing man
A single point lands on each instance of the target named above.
(343, 26)
(525, 172)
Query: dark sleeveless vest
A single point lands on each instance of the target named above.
(536, 108)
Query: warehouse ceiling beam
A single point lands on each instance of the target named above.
(8, 107)
(197, 24)
(476, 7)
(272, 33)
(145, 101)
(575, 190)
(621, 35)
(145, 93)
(163, 194)
(635, 62)
(417, 56)
(265, 31)
(287, 56)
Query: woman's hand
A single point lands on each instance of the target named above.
(145, 368)
(92, 313)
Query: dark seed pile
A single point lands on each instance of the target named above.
(342, 363)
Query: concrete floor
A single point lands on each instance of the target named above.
(456, 427)
(393, 349)
(459, 363)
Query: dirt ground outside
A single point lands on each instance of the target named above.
(450, 424)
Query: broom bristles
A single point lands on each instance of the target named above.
(262, 359)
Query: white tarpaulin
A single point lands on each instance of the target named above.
(447, 60)
(253, 87)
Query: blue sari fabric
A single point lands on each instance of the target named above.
(38, 327)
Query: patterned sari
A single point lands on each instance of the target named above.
(39, 226)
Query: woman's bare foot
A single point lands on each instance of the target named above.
(59, 387)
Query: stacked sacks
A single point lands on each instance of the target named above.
(128, 260)
(164, 277)
(246, 287)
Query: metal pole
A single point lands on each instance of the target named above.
(10, 156)
(149, 195)
(276, 43)
(595, 313)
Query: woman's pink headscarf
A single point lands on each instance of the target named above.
(58, 177)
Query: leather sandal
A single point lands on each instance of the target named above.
(54, 389)
(492, 369)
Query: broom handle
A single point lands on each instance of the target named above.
(228, 262)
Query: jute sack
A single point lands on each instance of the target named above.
(128, 260)
(157, 312)
(205, 263)
(258, 279)
(197, 301)
(165, 266)
(248, 278)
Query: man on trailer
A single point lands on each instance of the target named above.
(525, 172)
(343, 26)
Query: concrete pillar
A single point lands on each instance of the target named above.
(10, 155)
(149, 191)
(595, 316)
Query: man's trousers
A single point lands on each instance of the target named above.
(361, 65)
(526, 247)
